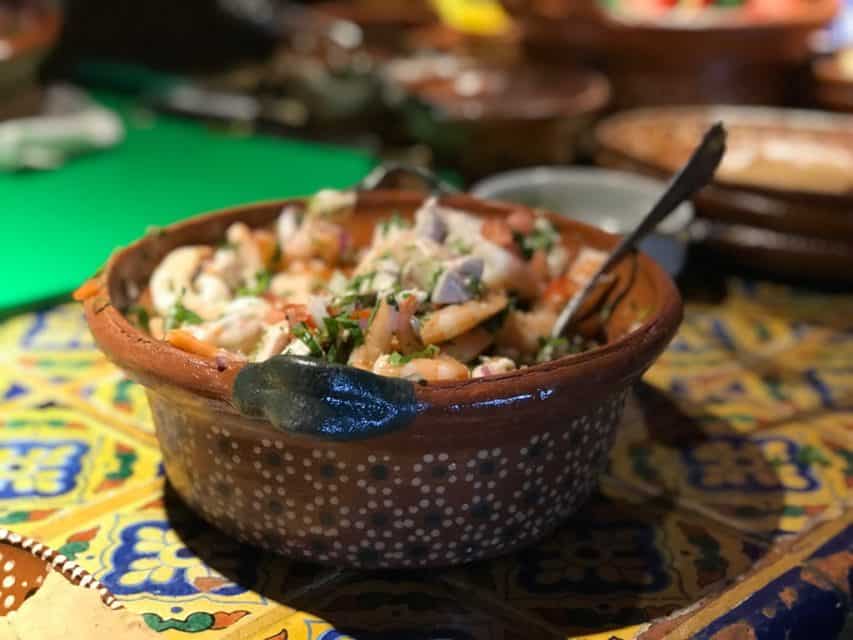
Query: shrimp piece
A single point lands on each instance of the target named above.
(377, 339)
(504, 270)
(391, 330)
(493, 366)
(317, 238)
(238, 329)
(173, 280)
(405, 338)
(469, 345)
(586, 264)
(522, 329)
(454, 320)
(294, 287)
(248, 252)
(275, 339)
(438, 369)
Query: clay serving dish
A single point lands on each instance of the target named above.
(24, 563)
(489, 118)
(711, 56)
(340, 466)
(800, 207)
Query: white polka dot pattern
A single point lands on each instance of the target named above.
(13, 592)
(386, 509)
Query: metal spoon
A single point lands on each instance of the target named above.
(696, 173)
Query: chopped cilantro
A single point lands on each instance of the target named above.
(259, 287)
(179, 315)
(553, 348)
(543, 238)
(459, 246)
(303, 333)
(396, 221)
(397, 359)
(139, 316)
(474, 286)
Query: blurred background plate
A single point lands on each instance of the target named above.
(612, 200)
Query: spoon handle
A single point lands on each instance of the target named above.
(697, 173)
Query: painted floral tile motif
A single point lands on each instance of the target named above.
(614, 564)
(62, 328)
(806, 600)
(183, 576)
(55, 344)
(53, 457)
(296, 626)
(768, 482)
(117, 398)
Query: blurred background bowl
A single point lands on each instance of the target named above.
(611, 200)
(484, 118)
(28, 31)
(680, 57)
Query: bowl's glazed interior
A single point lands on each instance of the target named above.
(476, 468)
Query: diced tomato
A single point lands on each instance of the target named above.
(361, 314)
(499, 232)
(586, 264)
(539, 265)
(559, 290)
(275, 315)
(296, 313)
(521, 221)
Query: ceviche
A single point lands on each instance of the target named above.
(446, 295)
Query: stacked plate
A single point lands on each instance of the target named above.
(783, 197)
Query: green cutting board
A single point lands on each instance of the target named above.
(60, 226)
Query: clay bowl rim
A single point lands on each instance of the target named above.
(615, 363)
(612, 21)
(68, 569)
(594, 95)
(40, 36)
(735, 115)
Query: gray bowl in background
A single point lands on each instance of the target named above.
(612, 200)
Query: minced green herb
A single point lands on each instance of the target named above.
(397, 359)
(474, 286)
(334, 341)
(396, 221)
(303, 333)
(259, 287)
(540, 239)
(140, 316)
(552, 348)
(179, 315)
(459, 246)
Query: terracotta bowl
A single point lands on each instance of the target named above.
(805, 230)
(24, 563)
(372, 472)
(489, 118)
(654, 61)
